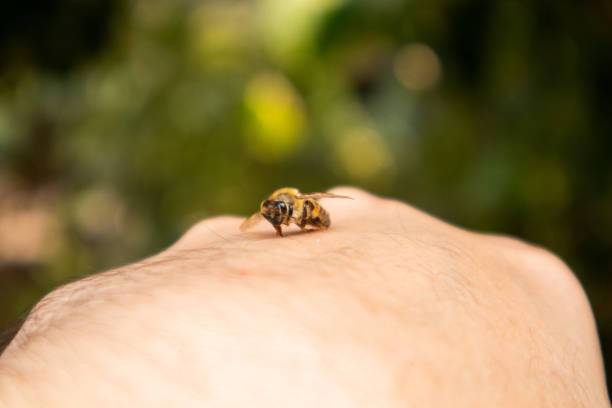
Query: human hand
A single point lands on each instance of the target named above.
(389, 307)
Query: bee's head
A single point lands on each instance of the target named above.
(274, 211)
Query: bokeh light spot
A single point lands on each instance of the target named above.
(363, 153)
(288, 27)
(417, 67)
(276, 117)
(99, 212)
(219, 33)
(29, 229)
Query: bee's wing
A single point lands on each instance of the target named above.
(317, 196)
(251, 221)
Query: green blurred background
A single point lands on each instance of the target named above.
(122, 123)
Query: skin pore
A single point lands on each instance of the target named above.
(389, 307)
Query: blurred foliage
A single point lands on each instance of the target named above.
(123, 123)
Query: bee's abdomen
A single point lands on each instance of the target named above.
(323, 218)
(315, 215)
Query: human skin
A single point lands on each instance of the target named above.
(389, 307)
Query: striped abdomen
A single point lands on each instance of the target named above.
(315, 215)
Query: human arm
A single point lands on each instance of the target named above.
(389, 307)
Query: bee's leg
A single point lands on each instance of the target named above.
(302, 224)
(279, 230)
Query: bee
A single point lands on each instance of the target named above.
(287, 205)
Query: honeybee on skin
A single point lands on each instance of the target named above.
(287, 205)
